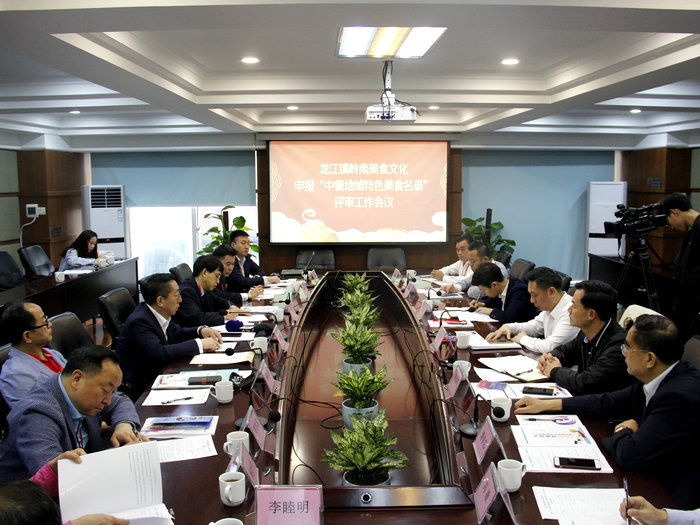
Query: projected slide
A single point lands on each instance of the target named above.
(358, 192)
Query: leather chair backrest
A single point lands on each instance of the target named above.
(520, 268)
(503, 258)
(691, 351)
(181, 272)
(565, 281)
(35, 261)
(10, 274)
(115, 306)
(386, 258)
(68, 333)
(322, 259)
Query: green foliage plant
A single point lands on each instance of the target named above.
(355, 300)
(363, 452)
(220, 234)
(493, 240)
(362, 389)
(359, 342)
(352, 282)
(364, 314)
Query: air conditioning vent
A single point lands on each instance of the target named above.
(106, 197)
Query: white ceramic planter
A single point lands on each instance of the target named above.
(349, 365)
(367, 413)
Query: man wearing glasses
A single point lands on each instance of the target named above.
(660, 414)
(29, 331)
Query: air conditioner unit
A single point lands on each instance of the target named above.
(103, 213)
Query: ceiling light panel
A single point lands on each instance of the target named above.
(387, 42)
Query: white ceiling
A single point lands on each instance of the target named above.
(167, 74)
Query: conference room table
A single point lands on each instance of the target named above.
(190, 488)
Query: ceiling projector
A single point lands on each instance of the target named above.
(390, 110)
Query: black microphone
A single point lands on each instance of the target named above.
(306, 267)
(233, 325)
(263, 329)
(431, 289)
(472, 428)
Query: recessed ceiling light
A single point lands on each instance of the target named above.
(250, 60)
(387, 42)
(433, 107)
(292, 108)
(635, 110)
(510, 61)
(75, 112)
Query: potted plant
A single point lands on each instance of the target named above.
(364, 314)
(221, 234)
(362, 453)
(359, 343)
(485, 233)
(360, 390)
(352, 282)
(356, 299)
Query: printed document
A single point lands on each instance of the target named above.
(574, 505)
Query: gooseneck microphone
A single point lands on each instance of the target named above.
(233, 325)
(472, 428)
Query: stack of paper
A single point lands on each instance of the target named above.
(573, 506)
(197, 396)
(479, 343)
(541, 438)
(520, 367)
(181, 380)
(515, 391)
(124, 482)
(219, 358)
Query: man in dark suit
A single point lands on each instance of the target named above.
(227, 256)
(246, 273)
(149, 338)
(660, 413)
(200, 306)
(595, 352)
(681, 216)
(507, 298)
(64, 412)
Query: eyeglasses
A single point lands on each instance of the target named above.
(46, 323)
(626, 350)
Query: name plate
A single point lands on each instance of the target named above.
(243, 460)
(485, 438)
(272, 384)
(437, 342)
(284, 345)
(258, 431)
(409, 288)
(487, 491)
(291, 505)
(421, 311)
(292, 313)
(453, 385)
(312, 276)
(396, 276)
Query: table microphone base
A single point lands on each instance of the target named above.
(470, 429)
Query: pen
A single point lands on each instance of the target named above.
(174, 400)
(524, 372)
(627, 500)
(136, 434)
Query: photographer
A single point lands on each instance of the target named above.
(682, 217)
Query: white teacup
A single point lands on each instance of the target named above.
(463, 339)
(259, 343)
(223, 390)
(102, 263)
(511, 472)
(60, 277)
(504, 404)
(463, 366)
(110, 259)
(410, 275)
(227, 521)
(232, 488)
(234, 440)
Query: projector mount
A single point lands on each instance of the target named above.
(390, 108)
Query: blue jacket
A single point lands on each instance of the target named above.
(41, 428)
(197, 309)
(21, 371)
(517, 307)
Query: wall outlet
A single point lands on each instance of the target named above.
(33, 210)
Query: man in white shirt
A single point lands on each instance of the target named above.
(457, 270)
(477, 254)
(551, 327)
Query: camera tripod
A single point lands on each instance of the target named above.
(640, 250)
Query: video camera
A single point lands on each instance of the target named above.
(635, 221)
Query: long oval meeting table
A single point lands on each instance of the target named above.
(429, 491)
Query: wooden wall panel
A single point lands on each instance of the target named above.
(52, 179)
(353, 257)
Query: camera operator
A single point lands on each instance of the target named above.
(682, 217)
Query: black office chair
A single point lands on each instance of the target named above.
(35, 261)
(181, 272)
(503, 258)
(115, 306)
(322, 259)
(691, 351)
(386, 258)
(520, 268)
(68, 333)
(10, 274)
(565, 281)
